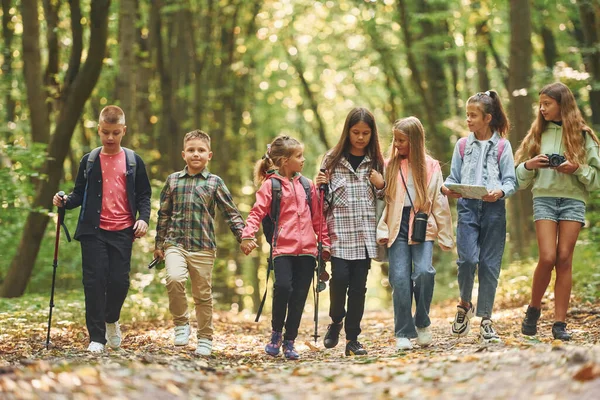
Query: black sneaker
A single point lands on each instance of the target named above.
(529, 324)
(354, 348)
(332, 336)
(559, 331)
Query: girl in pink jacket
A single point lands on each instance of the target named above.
(413, 181)
(294, 242)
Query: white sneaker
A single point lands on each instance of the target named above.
(403, 343)
(204, 347)
(424, 337)
(462, 321)
(113, 335)
(95, 347)
(182, 335)
(487, 332)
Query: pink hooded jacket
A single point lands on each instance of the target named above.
(297, 231)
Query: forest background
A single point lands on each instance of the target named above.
(245, 71)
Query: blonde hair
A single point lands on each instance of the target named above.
(573, 125)
(280, 148)
(112, 115)
(413, 129)
(197, 134)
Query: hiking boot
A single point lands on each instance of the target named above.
(289, 351)
(95, 347)
(113, 335)
(354, 348)
(332, 336)
(424, 337)
(204, 347)
(559, 331)
(462, 320)
(182, 335)
(403, 343)
(529, 324)
(272, 348)
(487, 332)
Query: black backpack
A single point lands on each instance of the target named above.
(270, 224)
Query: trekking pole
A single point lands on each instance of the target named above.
(61, 221)
(321, 275)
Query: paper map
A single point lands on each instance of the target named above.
(468, 191)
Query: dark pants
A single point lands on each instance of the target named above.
(106, 261)
(293, 275)
(348, 276)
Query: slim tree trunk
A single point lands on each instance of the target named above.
(519, 82)
(8, 33)
(481, 33)
(32, 71)
(126, 79)
(72, 103)
(590, 19)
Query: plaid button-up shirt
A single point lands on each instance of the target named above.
(351, 220)
(186, 217)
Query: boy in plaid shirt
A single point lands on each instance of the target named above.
(185, 237)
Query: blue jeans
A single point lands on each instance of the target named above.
(480, 240)
(411, 273)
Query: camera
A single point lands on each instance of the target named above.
(554, 160)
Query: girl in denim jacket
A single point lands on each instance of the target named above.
(485, 159)
(561, 189)
(295, 246)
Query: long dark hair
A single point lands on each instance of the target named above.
(342, 148)
(489, 103)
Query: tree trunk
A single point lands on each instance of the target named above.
(126, 79)
(8, 33)
(521, 228)
(590, 18)
(32, 71)
(73, 101)
(51, 83)
(481, 33)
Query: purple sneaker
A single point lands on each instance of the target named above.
(288, 350)
(272, 348)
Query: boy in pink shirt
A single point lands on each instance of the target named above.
(114, 191)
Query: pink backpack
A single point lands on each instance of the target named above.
(462, 143)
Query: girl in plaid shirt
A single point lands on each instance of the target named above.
(353, 175)
(294, 242)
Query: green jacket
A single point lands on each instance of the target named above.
(547, 182)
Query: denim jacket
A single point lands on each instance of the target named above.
(495, 175)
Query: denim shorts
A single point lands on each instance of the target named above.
(558, 209)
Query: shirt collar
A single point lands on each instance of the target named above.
(204, 173)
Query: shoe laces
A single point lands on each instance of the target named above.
(275, 338)
(288, 345)
(460, 316)
(488, 328)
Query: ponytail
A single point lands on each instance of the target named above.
(489, 103)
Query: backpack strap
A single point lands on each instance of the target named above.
(306, 185)
(275, 207)
(131, 162)
(90, 162)
(501, 144)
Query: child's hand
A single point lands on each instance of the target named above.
(567, 167)
(158, 253)
(326, 254)
(322, 178)
(539, 161)
(248, 245)
(140, 228)
(376, 179)
(493, 195)
(451, 193)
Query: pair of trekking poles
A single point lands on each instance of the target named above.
(60, 222)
